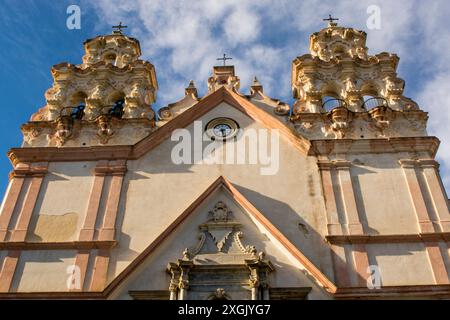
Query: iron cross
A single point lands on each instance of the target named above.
(330, 19)
(224, 59)
(119, 28)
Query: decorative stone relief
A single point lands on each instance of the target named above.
(223, 76)
(382, 116)
(105, 131)
(240, 269)
(340, 121)
(63, 131)
(30, 133)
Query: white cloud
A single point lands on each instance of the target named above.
(184, 38)
(241, 26)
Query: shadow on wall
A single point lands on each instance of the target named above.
(123, 239)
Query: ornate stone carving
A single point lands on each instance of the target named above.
(245, 249)
(336, 42)
(219, 294)
(223, 76)
(282, 109)
(382, 116)
(30, 133)
(220, 212)
(340, 120)
(111, 71)
(338, 66)
(222, 230)
(165, 113)
(63, 131)
(105, 131)
(220, 252)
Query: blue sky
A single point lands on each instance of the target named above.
(183, 39)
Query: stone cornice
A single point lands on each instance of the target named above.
(393, 238)
(72, 245)
(54, 154)
(389, 145)
(392, 292)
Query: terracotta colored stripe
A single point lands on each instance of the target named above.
(81, 261)
(100, 272)
(9, 205)
(361, 264)
(348, 197)
(8, 270)
(87, 232)
(437, 263)
(333, 223)
(20, 231)
(425, 225)
(438, 194)
(107, 231)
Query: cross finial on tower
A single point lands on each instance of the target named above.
(224, 59)
(331, 20)
(119, 28)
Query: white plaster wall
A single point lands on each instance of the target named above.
(156, 191)
(65, 189)
(382, 195)
(402, 264)
(43, 271)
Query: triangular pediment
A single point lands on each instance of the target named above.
(136, 151)
(208, 103)
(220, 229)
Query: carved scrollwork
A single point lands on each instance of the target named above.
(165, 114)
(382, 116)
(195, 250)
(63, 131)
(31, 133)
(245, 249)
(340, 119)
(105, 131)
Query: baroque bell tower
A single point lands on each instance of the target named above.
(342, 91)
(112, 90)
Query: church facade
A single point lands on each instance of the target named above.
(229, 195)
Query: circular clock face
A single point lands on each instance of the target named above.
(221, 128)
